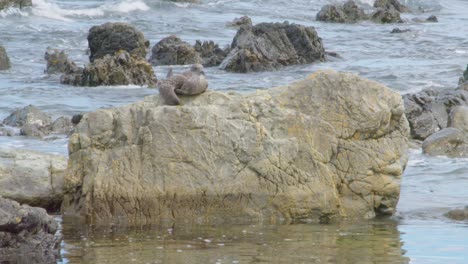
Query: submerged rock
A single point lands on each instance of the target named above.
(331, 146)
(118, 69)
(391, 5)
(109, 38)
(210, 53)
(4, 60)
(27, 233)
(58, 62)
(32, 178)
(458, 214)
(428, 111)
(398, 30)
(432, 18)
(269, 46)
(385, 16)
(349, 12)
(15, 3)
(173, 51)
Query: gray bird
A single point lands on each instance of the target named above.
(190, 82)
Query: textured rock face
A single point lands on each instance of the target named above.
(32, 178)
(173, 51)
(109, 38)
(27, 233)
(349, 12)
(58, 62)
(118, 69)
(4, 60)
(15, 3)
(428, 111)
(210, 53)
(269, 46)
(391, 5)
(386, 16)
(330, 146)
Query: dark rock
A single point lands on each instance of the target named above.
(450, 142)
(118, 69)
(427, 111)
(353, 11)
(464, 77)
(109, 38)
(27, 231)
(458, 214)
(240, 21)
(76, 119)
(269, 46)
(15, 3)
(331, 13)
(391, 4)
(58, 62)
(173, 51)
(29, 115)
(386, 16)
(211, 53)
(397, 30)
(4, 60)
(432, 18)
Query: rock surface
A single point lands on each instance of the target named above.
(58, 62)
(349, 12)
(386, 16)
(109, 38)
(118, 69)
(391, 5)
(398, 30)
(32, 178)
(269, 46)
(210, 53)
(240, 21)
(428, 111)
(331, 146)
(458, 214)
(15, 3)
(4, 60)
(173, 51)
(27, 233)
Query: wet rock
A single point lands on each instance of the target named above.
(210, 53)
(29, 115)
(32, 178)
(4, 60)
(398, 30)
(240, 21)
(428, 111)
(464, 78)
(109, 38)
(432, 18)
(58, 62)
(391, 5)
(76, 119)
(277, 153)
(349, 12)
(270, 46)
(450, 142)
(27, 232)
(118, 69)
(173, 51)
(385, 16)
(458, 118)
(15, 3)
(61, 125)
(458, 214)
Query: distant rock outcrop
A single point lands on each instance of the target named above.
(4, 60)
(349, 12)
(328, 147)
(15, 3)
(269, 46)
(173, 51)
(58, 62)
(211, 53)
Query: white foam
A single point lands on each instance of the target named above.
(12, 11)
(46, 8)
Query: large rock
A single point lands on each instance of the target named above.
(58, 62)
(27, 233)
(210, 53)
(349, 12)
(331, 146)
(269, 46)
(173, 51)
(32, 178)
(428, 111)
(118, 69)
(458, 118)
(391, 5)
(4, 60)
(110, 38)
(386, 16)
(14, 3)
(451, 142)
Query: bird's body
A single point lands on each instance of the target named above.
(190, 82)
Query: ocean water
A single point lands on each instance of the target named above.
(432, 55)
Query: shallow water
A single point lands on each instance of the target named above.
(432, 55)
